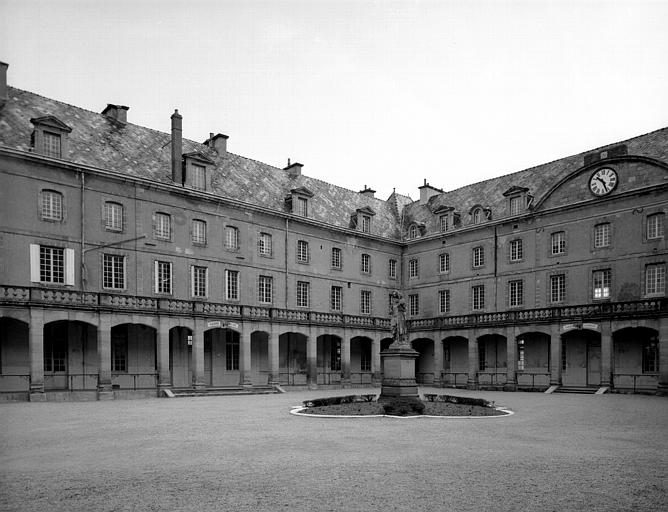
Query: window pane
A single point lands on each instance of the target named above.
(265, 289)
(113, 272)
(51, 264)
(52, 144)
(164, 277)
(198, 176)
(231, 237)
(163, 229)
(655, 226)
(113, 216)
(602, 235)
(199, 232)
(232, 285)
(52, 205)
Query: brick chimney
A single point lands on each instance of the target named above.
(294, 170)
(368, 192)
(3, 83)
(117, 112)
(217, 142)
(177, 149)
(427, 191)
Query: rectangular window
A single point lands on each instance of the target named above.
(516, 252)
(478, 257)
(302, 294)
(302, 251)
(365, 357)
(444, 301)
(51, 144)
(231, 238)
(650, 357)
(264, 245)
(444, 222)
(365, 302)
(655, 226)
(232, 285)
(558, 288)
(444, 263)
(365, 264)
(119, 354)
(302, 206)
(482, 357)
(392, 269)
(55, 354)
(516, 205)
(602, 235)
(51, 264)
(198, 176)
(516, 293)
(199, 232)
(335, 298)
(336, 258)
(413, 269)
(521, 356)
(199, 281)
(113, 271)
(231, 353)
(558, 243)
(478, 297)
(655, 279)
(335, 355)
(52, 205)
(414, 305)
(162, 229)
(163, 277)
(113, 216)
(366, 224)
(265, 289)
(602, 280)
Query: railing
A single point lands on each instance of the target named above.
(491, 378)
(14, 382)
(618, 382)
(425, 377)
(445, 378)
(139, 380)
(292, 378)
(361, 378)
(523, 382)
(326, 377)
(81, 381)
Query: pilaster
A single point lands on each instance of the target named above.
(375, 362)
(345, 360)
(311, 360)
(606, 353)
(473, 360)
(162, 355)
(245, 358)
(36, 351)
(273, 349)
(198, 354)
(662, 388)
(555, 354)
(104, 389)
(511, 359)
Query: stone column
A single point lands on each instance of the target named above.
(438, 361)
(376, 376)
(312, 360)
(162, 355)
(606, 353)
(36, 350)
(555, 355)
(273, 349)
(662, 388)
(473, 360)
(345, 360)
(198, 354)
(104, 389)
(245, 358)
(511, 359)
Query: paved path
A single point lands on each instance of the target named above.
(557, 453)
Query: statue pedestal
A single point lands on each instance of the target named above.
(398, 373)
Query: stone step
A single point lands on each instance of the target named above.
(585, 390)
(220, 391)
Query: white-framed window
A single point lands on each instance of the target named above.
(558, 288)
(413, 268)
(602, 235)
(515, 293)
(302, 251)
(335, 298)
(336, 258)
(52, 205)
(478, 297)
(558, 243)
(265, 289)
(162, 226)
(113, 271)
(199, 281)
(365, 302)
(231, 284)
(52, 145)
(413, 231)
(414, 304)
(478, 257)
(477, 216)
(444, 301)
(655, 279)
(198, 233)
(444, 262)
(163, 277)
(264, 244)
(655, 226)
(302, 206)
(231, 238)
(516, 205)
(198, 176)
(392, 269)
(366, 224)
(52, 265)
(302, 294)
(113, 216)
(602, 281)
(516, 250)
(365, 264)
(444, 222)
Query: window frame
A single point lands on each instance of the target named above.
(478, 297)
(336, 261)
(51, 210)
(658, 288)
(560, 238)
(444, 263)
(47, 149)
(302, 253)
(414, 304)
(365, 302)
(515, 250)
(478, 257)
(414, 268)
(265, 286)
(232, 238)
(602, 235)
(109, 217)
(657, 231)
(515, 293)
(162, 220)
(198, 238)
(365, 263)
(444, 301)
(560, 281)
(232, 285)
(392, 268)
(601, 276)
(265, 245)
(158, 282)
(336, 298)
(194, 278)
(109, 270)
(302, 299)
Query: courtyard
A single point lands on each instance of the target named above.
(556, 453)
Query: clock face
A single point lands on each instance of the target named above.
(603, 181)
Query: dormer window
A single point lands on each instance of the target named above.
(302, 207)
(448, 219)
(476, 216)
(518, 200)
(413, 231)
(197, 167)
(444, 222)
(52, 145)
(366, 224)
(479, 214)
(50, 137)
(361, 219)
(199, 176)
(297, 202)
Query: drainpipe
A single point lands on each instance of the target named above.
(496, 253)
(82, 265)
(287, 229)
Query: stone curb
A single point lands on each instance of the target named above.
(297, 411)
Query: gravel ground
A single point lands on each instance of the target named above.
(556, 453)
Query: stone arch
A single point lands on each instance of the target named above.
(492, 360)
(134, 363)
(533, 360)
(14, 354)
(360, 360)
(292, 360)
(636, 359)
(222, 356)
(455, 361)
(70, 355)
(180, 355)
(581, 358)
(330, 359)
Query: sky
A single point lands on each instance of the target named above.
(384, 94)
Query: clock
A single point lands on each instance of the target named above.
(603, 181)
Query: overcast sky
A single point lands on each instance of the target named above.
(384, 94)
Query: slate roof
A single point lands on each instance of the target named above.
(102, 142)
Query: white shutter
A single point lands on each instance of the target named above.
(155, 277)
(69, 267)
(34, 263)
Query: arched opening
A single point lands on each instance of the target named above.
(329, 359)
(221, 357)
(384, 345)
(533, 360)
(360, 360)
(133, 357)
(636, 359)
(70, 356)
(292, 359)
(14, 355)
(455, 361)
(581, 358)
(180, 354)
(424, 364)
(260, 357)
(492, 360)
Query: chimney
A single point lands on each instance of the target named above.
(117, 112)
(177, 151)
(294, 170)
(217, 142)
(3, 83)
(427, 191)
(367, 192)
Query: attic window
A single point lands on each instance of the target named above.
(413, 231)
(197, 167)
(49, 137)
(477, 216)
(198, 176)
(297, 202)
(366, 223)
(302, 207)
(515, 205)
(518, 200)
(52, 144)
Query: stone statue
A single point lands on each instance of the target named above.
(398, 322)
